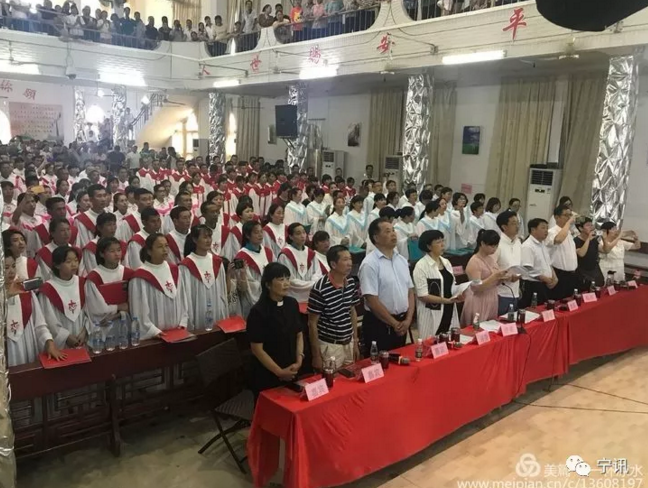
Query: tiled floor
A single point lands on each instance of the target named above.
(590, 424)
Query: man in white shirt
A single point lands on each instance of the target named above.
(535, 256)
(249, 18)
(509, 253)
(133, 158)
(563, 253)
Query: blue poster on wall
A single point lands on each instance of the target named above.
(471, 137)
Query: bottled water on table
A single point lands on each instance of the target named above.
(209, 317)
(135, 332)
(373, 352)
(123, 333)
(110, 337)
(96, 339)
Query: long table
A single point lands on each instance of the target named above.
(359, 428)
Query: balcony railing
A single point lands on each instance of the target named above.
(430, 9)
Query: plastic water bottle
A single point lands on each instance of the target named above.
(135, 332)
(123, 334)
(592, 287)
(510, 316)
(534, 301)
(373, 352)
(475, 322)
(110, 337)
(209, 317)
(418, 354)
(97, 340)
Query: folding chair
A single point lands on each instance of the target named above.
(214, 364)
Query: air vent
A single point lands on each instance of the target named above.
(542, 177)
(328, 156)
(392, 163)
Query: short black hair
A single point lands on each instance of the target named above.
(103, 244)
(333, 254)
(387, 213)
(504, 217)
(558, 211)
(59, 256)
(175, 212)
(271, 272)
(139, 192)
(55, 222)
(534, 223)
(427, 238)
(608, 226)
(479, 197)
(492, 201)
(50, 202)
(103, 219)
(176, 200)
(148, 213)
(374, 228)
(475, 205)
(513, 200)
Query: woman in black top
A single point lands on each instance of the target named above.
(587, 251)
(274, 329)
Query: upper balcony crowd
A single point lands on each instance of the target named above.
(305, 21)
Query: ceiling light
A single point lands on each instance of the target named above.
(145, 100)
(315, 72)
(226, 83)
(114, 78)
(473, 57)
(100, 93)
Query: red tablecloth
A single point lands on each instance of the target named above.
(359, 428)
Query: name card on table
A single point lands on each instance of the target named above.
(482, 337)
(439, 350)
(548, 315)
(572, 305)
(316, 389)
(508, 329)
(633, 284)
(372, 372)
(611, 290)
(589, 297)
(457, 270)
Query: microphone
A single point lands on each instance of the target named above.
(521, 329)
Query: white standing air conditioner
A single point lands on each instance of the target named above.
(200, 147)
(544, 185)
(393, 169)
(332, 160)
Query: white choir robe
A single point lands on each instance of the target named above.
(89, 256)
(295, 212)
(274, 238)
(203, 278)
(63, 305)
(402, 201)
(444, 224)
(119, 216)
(234, 241)
(44, 260)
(27, 268)
(426, 223)
(265, 199)
(167, 223)
(163, 208)
(132, 259)
(459, 229)
(255, 194)
(97, 304)
(219, 237)
(490, 222)
(27, 331)
(7, 212)
(155, 299)
(368, 205)
(475, 224)
(42, 236)
(522, 230)
(337, 227)
(256, 263)
(316, 216)
(357, 228)
(229, 206)
(129, 226)
(304, 271)
(323, 263)
(146, 179)
(176, 242)
(28, 226)
(86, 223)
(404, 232)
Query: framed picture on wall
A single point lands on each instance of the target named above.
(353, 135)
(272, 135)
(471, 139)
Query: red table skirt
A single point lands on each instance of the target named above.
(360, 428)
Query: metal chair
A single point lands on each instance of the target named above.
(214, 364)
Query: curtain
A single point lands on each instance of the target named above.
(247, 133)
(186, 9)
(580, 137)
(441, 126)
(520, 136)
(386, 127)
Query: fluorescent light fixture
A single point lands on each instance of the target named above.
(101, 93)
(226, 83)
(145, 100)
(130, 79)
(22, 69)
(316, 72)
(473, 57)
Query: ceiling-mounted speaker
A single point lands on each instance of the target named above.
(588, 15)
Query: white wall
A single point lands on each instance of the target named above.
(333, 114)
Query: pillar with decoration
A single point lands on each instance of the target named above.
(416, 133)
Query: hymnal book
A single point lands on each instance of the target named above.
(115, 293)
(180, 334)
(74, 356)
(232, 324)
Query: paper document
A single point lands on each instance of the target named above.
(464, 339)
(462, 288)
(525, 272)
(490, 325)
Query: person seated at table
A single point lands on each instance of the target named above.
(153, 293)
(427, 218)
(204, 280)
(535, 255)
(405, 230)
(435, 287)
(317, 212)
(100, 306)
(274, 232)
(337, 224)
(321, 244)
(587, 250)
(301, 261)
(151, 224)
(256, 257)
(27, 332)
(613, 248)
(245, 214)
(274, 329)
(62, 299)
(106, 227)
(482, 298)
(26, 268)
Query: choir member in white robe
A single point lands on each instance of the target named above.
(153, 294)
(14, 240)
(60, 234)
(56, 208)
(106, 227)
(405, 230)
(120, 206)
(444, 223)
(215, 220)
(411, 200)
(132, 223)
(151, 224)
(203, 279)
(514, 206)
(256, 258)
(459, 217)
(337, 225)
(380, 202)
(26, 219)
(245, 213)
(475, 223)
(302, 263)
(27, 333)
(274, 232)
(161, 203)
(86, 222)
(182, 199)
(357, 223)
(62, 299)
(428, 221)
(102, 305)
(493, 207)
(181, 218)
(295, 210)
(321, 245)
(317, 212)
